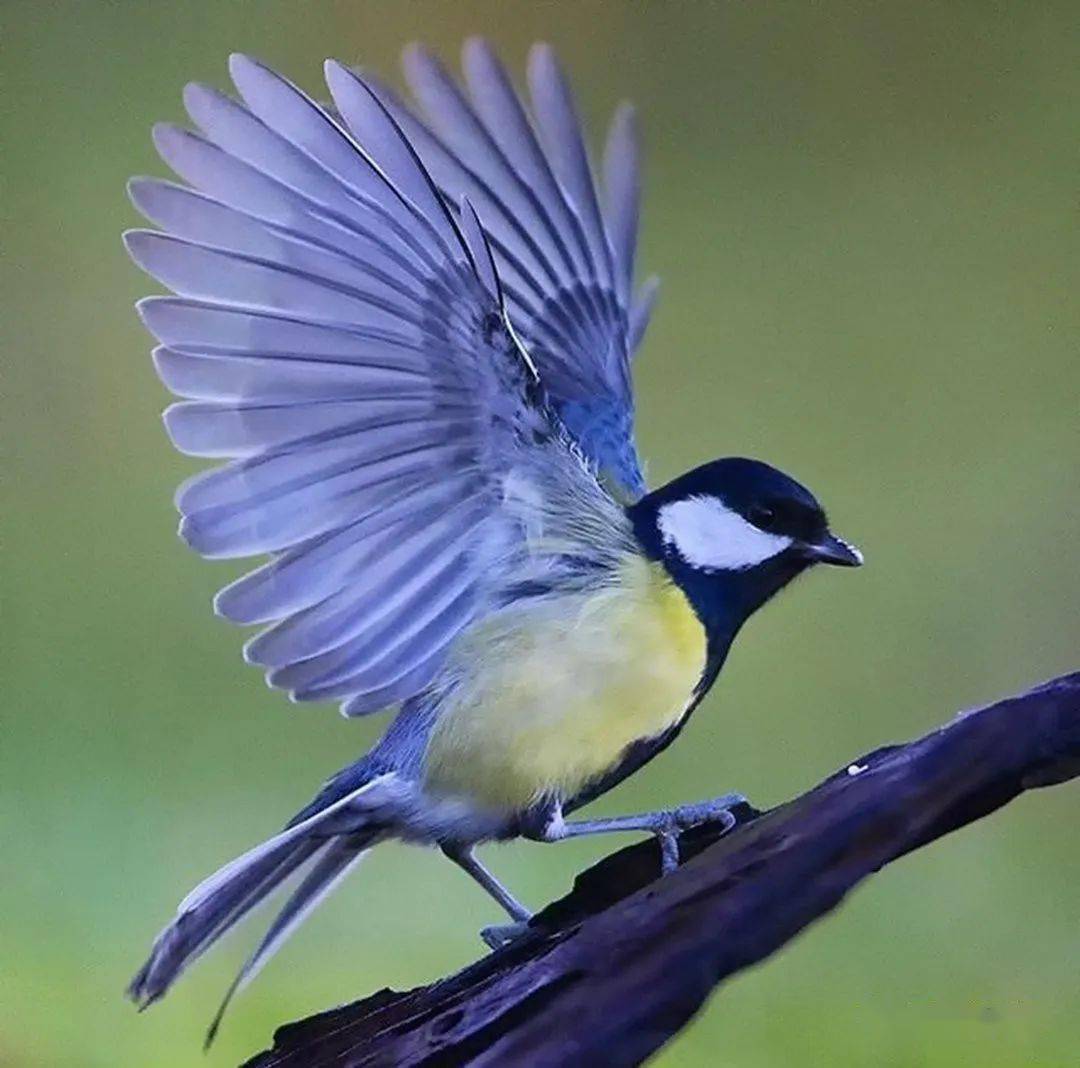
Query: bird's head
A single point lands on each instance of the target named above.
(732, 533)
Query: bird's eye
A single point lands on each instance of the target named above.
(763, 517)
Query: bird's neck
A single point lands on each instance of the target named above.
(722, 599)
(725, 600)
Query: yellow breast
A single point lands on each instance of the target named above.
(552, 694)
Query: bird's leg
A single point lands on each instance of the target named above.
(465, 858)
(666, 824)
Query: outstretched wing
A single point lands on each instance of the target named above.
(341, 338)
(566, 257)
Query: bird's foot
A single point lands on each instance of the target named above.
(501, 935)
(673, 822)
(667, 825)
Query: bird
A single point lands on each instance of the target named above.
(405, 325)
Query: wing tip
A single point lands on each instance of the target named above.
(149, 309)
(542, 52)
(165, 136)
(251, 650)
(418, 61)
(168, 366)
(197, 96)
(139, 190)
(251, 76)
(180, 434)
(185, 529)
(242, 63)
(134, 185)
(477, 47)
(542, 68)
(649, 288)
(145, 190)
(219, 604)
(249, 602)
(625, 119)
(340, 77)
(138, 242)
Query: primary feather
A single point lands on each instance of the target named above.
(567, 269)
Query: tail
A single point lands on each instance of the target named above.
(328, 843)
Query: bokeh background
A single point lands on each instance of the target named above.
(865, 220)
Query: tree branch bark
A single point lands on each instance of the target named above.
(614, 969)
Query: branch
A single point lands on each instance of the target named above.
(614, 969)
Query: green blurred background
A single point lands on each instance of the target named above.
(865, 220)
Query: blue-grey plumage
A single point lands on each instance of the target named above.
(409, 334)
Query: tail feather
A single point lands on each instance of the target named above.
(335, 861)
(335, 836)
(197, 926)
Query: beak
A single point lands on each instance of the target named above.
(834, 550)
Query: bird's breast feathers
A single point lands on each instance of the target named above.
(548, 694)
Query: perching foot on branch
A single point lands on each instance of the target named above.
(667, 825)
(502, 934)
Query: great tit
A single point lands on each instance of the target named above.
(408, 330)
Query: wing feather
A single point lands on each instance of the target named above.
(341, 335)
(343, 616)
(312, 572)
(568, 288)
(281, 377)
(559, 125)
(622, 190)
(295, 116)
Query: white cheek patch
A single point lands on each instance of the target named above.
(708, 534)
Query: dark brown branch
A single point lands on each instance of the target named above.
(623, 962)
